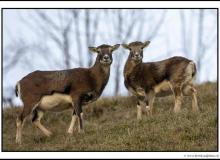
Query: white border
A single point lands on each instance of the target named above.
(118, 4)
(110, 4)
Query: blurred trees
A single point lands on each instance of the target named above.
(197, 39)
(59, 39)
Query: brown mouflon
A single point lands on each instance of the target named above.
(147, 80)
(42, 91)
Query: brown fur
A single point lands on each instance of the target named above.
(83, 85)
(142, 78)
(148, 75)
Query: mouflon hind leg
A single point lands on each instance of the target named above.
(178, 99)
(20, 122)
(37, 115)
(190, 90)
(151, 96)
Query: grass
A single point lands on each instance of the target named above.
(111, 125)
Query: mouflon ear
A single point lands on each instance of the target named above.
(145, 44)
(93, 49)
(125, 46)
(115, 47)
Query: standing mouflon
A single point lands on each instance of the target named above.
(147, 80)
(42, 91)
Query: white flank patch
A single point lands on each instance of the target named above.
(56, 102)
(163, 86)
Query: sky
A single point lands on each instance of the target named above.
(14, 29)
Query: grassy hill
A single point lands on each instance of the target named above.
(111, 125)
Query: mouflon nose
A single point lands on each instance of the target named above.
(105, 57)
(136, 54)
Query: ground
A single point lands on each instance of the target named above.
(111, 125)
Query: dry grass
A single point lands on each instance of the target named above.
(111, 125)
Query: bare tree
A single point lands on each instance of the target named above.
(76, 17)
(91, 27)
(202, 44)
(119, 56)
(183, 31)
(123, 31)
(59, 34)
